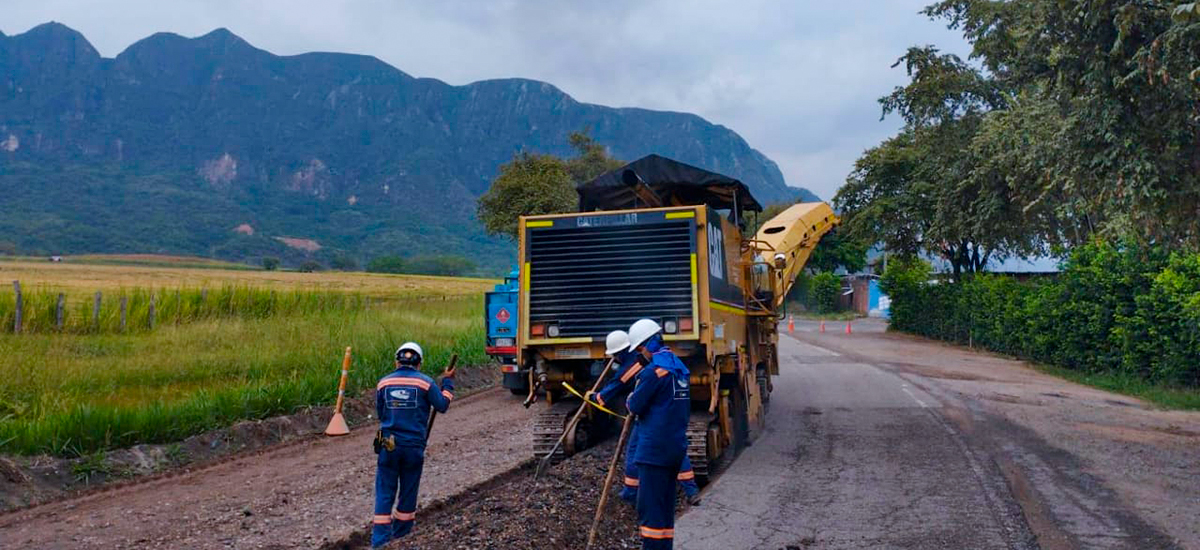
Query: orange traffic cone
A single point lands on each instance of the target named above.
(791, 325)
(848, 329)
(337, 424)
(822, 326)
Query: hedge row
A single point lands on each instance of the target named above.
(1111, 309)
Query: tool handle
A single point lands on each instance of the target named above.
(608, 479)
(433, 413)
(599, 380)
(574, 420)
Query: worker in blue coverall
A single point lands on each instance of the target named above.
(629, 364)
(402, 401)
(662, 402)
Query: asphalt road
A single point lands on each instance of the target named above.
(853, 457)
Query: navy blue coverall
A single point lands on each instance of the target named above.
(616, 389)
(662, 402)
(402, 400)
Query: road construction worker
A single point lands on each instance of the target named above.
(629, 364)
(662, 402)
(402, 401)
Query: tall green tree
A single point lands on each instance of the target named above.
(918, 192)
(591, 158)
(532, 184)
(1108, 126)
(837, 251)
(529, 184)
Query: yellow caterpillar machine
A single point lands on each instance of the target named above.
(663, 240)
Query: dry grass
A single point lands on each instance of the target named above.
(79, 279)
(90, 390)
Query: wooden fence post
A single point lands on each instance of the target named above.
(151, 310)
(96, 311)
(124, 309)
(58, 312)
(20, 305)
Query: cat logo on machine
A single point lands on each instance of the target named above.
(716, 251)
(503, 315)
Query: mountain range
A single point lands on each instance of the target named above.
(213, 147)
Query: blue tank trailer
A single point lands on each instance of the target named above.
(500, 319)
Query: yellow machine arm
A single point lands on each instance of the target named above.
(787, 240)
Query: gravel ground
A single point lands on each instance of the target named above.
(520, 512)
(299, 496)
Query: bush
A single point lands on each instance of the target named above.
(310, 266)
(270, 264)
(387, 264)
(826, 287)
(1112, 309)
(447, 265)
(343, 262)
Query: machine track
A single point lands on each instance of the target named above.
(697, 451)
(548, 426)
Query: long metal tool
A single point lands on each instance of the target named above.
(574, 420)
(608, 479)
(433, 412)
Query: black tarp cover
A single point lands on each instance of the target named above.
(675, 182)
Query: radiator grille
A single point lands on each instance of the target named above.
(593, 280)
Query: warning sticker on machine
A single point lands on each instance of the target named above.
(572, 353)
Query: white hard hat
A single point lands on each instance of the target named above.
(616, 342)
(641, 331)
(409, 347)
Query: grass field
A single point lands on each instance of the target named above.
(73, 394)
(84, 279)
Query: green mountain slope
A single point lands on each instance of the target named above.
(211, 146)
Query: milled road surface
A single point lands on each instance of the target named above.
(884, 441)
(299, 496)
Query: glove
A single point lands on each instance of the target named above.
(592, 397)
(377, 443)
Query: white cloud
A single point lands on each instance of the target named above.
(797, 79)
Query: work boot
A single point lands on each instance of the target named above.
(693, 500)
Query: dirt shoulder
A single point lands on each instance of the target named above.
(302, 495)
(1081, 460)
(32, 480)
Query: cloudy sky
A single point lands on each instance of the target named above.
(798, 79)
